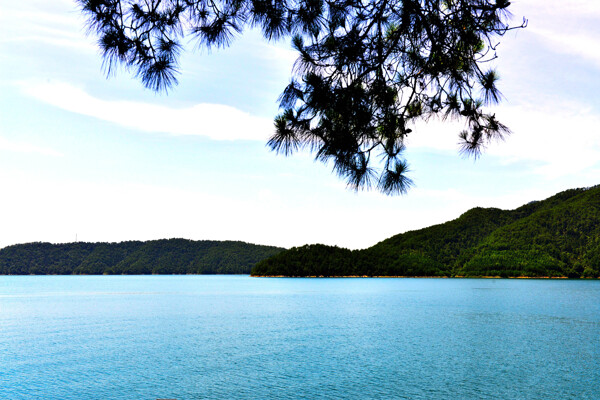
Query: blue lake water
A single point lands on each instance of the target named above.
(236, 337)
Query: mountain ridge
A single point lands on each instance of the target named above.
(555, 237)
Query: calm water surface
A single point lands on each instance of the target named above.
(236, 337)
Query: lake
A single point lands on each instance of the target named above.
(236, 337)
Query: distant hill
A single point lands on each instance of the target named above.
(167, 256)
(556, 237)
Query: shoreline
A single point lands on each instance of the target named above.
(323, 276)
(422, 277)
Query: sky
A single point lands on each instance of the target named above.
(90, 158)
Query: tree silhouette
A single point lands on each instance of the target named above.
(366, 71)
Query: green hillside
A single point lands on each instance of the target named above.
(556, 237)
(172, 256)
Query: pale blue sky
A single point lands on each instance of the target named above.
(108, 160)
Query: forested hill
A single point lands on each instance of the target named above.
(167, 256)
(556, 237)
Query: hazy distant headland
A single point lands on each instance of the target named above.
(556, 237)
(166, 256)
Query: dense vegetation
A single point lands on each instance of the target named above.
(557, 237)
(172, 256)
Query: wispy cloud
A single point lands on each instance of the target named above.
(216, 121)
(566, 27)
(22, 147)
(569, 12)
(58, 23)
(576, 44)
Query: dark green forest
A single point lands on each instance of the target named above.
(167, 256)
(556, 237)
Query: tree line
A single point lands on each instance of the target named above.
(167, 256)
(556, 237)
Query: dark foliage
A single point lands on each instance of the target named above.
(309, 260)
(173, 256)
(366, 70)
(556, 237)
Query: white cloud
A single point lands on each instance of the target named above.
(436, 134)
(57, 23)
(566, 27)
(560, 137)
(569, 12)
(129, 211)
(560, 140)
(21, 147)
(274, 52)
(216, 121)
(578, 44)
